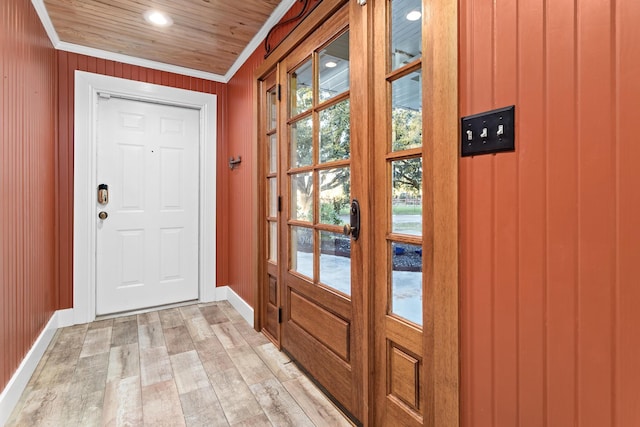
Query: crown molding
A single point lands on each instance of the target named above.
(132, 60)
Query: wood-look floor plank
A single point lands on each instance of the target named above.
(253, 338)
(199, 328)
(83, 409)
(214, 314)
(258, 421)
(170, 318)
(59, 367)
(42, 407)
(202, 408)
(236, 399)
(124, 332)
(250, 366)
(190, 311)
(278, 362)
(99, 324)
(84, 400)
(214, 363)
(228, 335)
(155, 366)
(161, 405)
(177, 339)
(231, 312)
(72, 336)
(149, 317)
(188, 372)
(123, 403)
(208, 348)
(143, 384)
(315, 404)
(278, 404)
(96, 341)
(124, 362)
(150, 335)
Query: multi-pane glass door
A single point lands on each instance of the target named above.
(403, 233)
(268, 149)
(362, 112)
(318, 328)
(319, 170)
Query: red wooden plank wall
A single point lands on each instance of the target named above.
(68, 63)
(550, 234)
(242, 189)
(28, 289)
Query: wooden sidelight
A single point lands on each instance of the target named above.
(360, 102)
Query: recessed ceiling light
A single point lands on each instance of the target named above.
(330, 64)
(414, 15)
(157, 18)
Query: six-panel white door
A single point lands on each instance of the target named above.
(147, 247)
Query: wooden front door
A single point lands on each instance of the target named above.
(367, 111)
(318, 328)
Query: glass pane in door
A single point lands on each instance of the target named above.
(335, 133)
(273, 153)
(335, 261)
(301, 142)
(406, 201)
(406, 32)
(406, 112)
(302, 251)
(272, 191)
(333, 65)
(302, 197)
(272, 109)
(335, 195)
(301, 84)
(273, 241)
(406, 281)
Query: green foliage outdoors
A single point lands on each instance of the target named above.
(335, 144)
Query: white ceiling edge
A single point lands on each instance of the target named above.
(275, 17)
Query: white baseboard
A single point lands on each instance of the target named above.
(63, 318)
(226, 293)
(18, 382)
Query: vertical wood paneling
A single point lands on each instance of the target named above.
(68, 63)
(627, 293)
(562, 228)
(28, 286)
(242, 188)
(549, 234)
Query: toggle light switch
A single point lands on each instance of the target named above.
(496, 130)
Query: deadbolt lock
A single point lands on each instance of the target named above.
(103, 215)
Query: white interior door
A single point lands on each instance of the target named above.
(147, 247)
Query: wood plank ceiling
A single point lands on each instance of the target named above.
(206, 35)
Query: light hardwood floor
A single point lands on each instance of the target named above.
(198, 365)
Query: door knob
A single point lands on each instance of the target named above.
(103, 215)
(353, 228)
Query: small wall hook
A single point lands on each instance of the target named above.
(234, 162)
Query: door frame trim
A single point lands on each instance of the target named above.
(87, 87)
